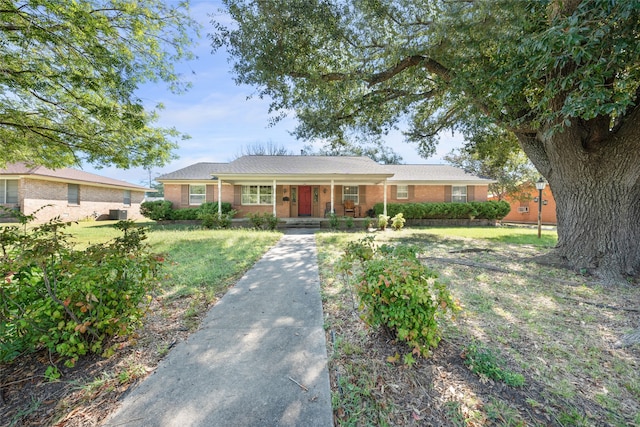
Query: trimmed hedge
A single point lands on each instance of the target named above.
(481, 210)
(161, 210)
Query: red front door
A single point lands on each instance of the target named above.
(304, 200)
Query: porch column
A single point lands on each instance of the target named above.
(332, 208)
(384, 209)
(219, 198)
(274, 197)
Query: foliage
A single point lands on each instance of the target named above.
(263, 221)
(562, 76)
(268, 149)
(348, 222)
(68, 301)
(157, 210)
(484, 361)
(213, 220)
(480, 210)
(398, 292)
(162, 210)
(383, 220)
(70, 75)
(376, 150)
(334, 221)
(397, 222)
(495, 154)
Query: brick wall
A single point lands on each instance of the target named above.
(94, 201)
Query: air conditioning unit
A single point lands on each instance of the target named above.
(523, 209)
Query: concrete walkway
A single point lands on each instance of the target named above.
(258, 359)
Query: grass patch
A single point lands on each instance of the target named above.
(547, 332)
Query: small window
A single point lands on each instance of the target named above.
(257, 195)
(126, 198)
(73, 194)
(8, 191)
(350, 192)
(402, 192)
(197, 194)
(459, 193)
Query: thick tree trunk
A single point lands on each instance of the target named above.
(597, 193)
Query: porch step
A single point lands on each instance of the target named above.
(302, 223)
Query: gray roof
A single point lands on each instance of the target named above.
(322, 165)
(197, 171)
(433, 173)
(66, 174)
(301, 165)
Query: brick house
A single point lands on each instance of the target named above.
(524, 206)
(312, 186)
(72, 194)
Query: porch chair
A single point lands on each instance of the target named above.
(349, 208)
(327, 209)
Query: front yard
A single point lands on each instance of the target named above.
(554, 327)
(548, 335)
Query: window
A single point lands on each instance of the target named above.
(8, 191)
(402, 191)
(197, 194)
(257, 195)
(350, 193)
(73, 194)
(126, 198)
(459, 193)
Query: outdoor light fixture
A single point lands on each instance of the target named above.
(540, 184)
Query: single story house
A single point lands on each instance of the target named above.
(312, 186)
(524, 206)
(72, 194)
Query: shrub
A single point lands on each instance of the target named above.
(212, 208)
(67, 301)
(482, 210)
(213, 220)
(399, 293)
(333, 221)
(348, 222)
(263, 221)
(383, 220)
(157, 210)
(397, 222)
(184, 214)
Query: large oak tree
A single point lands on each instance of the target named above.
(562, 75)
(69, 71)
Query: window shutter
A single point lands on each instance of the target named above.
(337, 194)
(471, 193)
(362, 194)
(412, 192)
(279, 195)
(447, 193)
(210, 193)
(237, 195)
(184, 195)
(394, 192)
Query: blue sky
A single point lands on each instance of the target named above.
(220, 119)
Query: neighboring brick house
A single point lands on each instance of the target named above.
(72, 194)
(524, 206)
(298, 186)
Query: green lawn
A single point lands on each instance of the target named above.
(197, 260)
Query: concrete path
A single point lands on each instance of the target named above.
(258, 359)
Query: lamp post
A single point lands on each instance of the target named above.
(540, 184)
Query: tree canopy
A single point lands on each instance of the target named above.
(562, 75)
(69, 72)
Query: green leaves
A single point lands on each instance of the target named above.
(399, 293)
(69, 75)
(67, 301)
